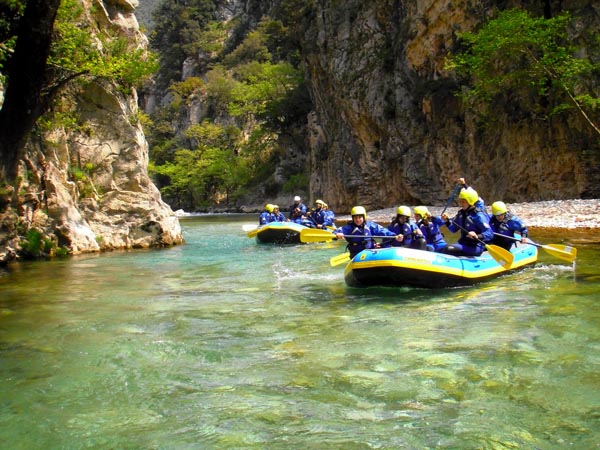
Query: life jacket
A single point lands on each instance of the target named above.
(359, 238)
(406, 229)
(431, 231)
(466, 219)
(502, 227)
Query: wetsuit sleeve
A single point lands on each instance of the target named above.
(486, 233)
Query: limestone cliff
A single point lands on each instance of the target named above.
(387, 128)
(87, 187)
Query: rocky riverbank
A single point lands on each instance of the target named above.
(555, 214)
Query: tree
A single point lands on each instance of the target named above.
(517, 52)
(24, 102)
(52, 49)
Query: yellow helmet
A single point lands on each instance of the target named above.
(499, 208)
(275, 207)
(359, 211)
(269, 207)
(319, 202)
(404, 211)
(422, 211)
(470, 195)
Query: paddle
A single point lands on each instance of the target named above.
(564, 252)
(315, 235)
(502, 256)
(339, 259)
(453, 195)
(252, 233)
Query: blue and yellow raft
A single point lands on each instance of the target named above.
(398, 266)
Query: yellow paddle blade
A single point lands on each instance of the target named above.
(252, 233)
(564, 252)
(502, 256)
(315, 235)
(339, 259)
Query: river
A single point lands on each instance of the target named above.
(222, 343)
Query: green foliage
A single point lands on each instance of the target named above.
(35, 245)
(263, 90)
(295, 183)
(187, 87)
(515, 53)
(75, 51)
(211, 172)
(83, 176)
(251, 79)
(253, 49)
(179, 31)
(10, 13)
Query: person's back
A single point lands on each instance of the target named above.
(329, 216)
(265, 216)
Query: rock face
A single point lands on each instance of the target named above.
(387, 128)
(87, 188)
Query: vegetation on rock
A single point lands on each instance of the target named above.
(516, 55)
(251, 92)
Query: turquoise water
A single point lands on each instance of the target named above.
(223, 343)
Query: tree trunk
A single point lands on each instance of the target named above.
(24, 100)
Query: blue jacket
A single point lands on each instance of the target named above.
(297, 211)
(431, 231)
(321, 217)
(264, 218)
(406, 229)
(507, 227)
(475, 220)
(364, 236)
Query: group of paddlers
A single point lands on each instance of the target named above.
(318, 217)
(477, 227)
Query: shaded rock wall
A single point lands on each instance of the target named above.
(387, 128)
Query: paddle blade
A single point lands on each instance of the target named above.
(564, 252)
(339, 259)
(502, 256)
(315, 235)
(252, 233)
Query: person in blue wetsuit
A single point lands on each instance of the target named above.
(430, 228)
(319, 216)
(410, 235)
(506, 224)
(480, 203)
(473, 225)
(297, 210)
(329, 216)
(265, 216)
(359, 233)
(277, 216)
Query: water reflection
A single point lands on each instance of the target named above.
(222, 343)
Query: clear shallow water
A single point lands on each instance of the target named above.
(222, 343)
